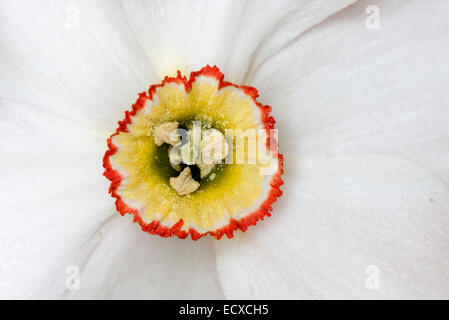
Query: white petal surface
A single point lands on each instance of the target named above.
(76, 59)
(344, 88)
(374, 103)
(129, 264)
(348, 226)
(234, 35)
(53, 198)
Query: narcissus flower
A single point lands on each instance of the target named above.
(359, 91)
(226, 195)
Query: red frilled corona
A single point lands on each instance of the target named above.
(183, 162)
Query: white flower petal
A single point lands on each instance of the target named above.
(64, 83)
(342, 87)
(74, 58)
(348, 226)
(53, 197)
(233, 35)
(281, 25)
(130, 264)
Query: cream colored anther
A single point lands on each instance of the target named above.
(166, 133)
(184, 183)
(175, 157)
(186, 154)
(214, 147)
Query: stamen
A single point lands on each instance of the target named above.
(213, 148)
(163, 133)
(175, 157)
(166, 160)
(184, 184)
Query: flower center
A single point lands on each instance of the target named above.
(193, 148)
(184, 161)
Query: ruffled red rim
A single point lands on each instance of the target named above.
(155, 226)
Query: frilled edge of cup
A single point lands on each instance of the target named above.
(155, 226)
